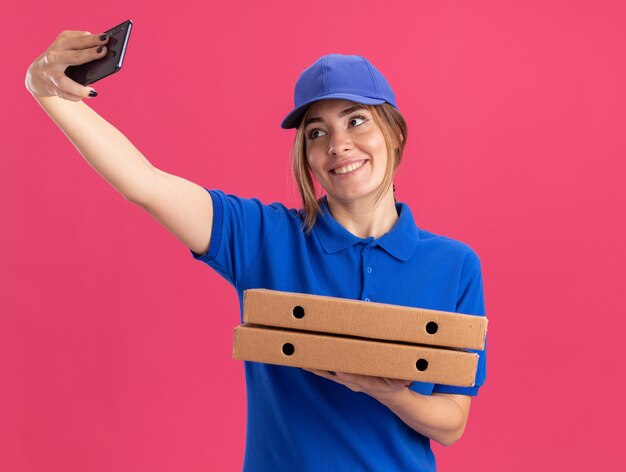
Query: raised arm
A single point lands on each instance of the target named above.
(183, 207)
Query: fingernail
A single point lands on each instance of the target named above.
(332, 373)
(103, 37)
(93, 93)
(99, 50)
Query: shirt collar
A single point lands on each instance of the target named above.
(400, 241)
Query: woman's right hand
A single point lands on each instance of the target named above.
(46, 75)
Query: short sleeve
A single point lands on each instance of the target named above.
(241, 226)
(470, 301)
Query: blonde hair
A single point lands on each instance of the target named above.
(394, 130)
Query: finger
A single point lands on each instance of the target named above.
(337, 377)
(352, 377)
(75, 32)
(321, 373)
(313, 371)
(403, 382)
(329, 374)
(73, 89)
(68, 33)
(70, 96)
(64, 35)
(75, 57)
(400, 382)
(82, 41)
(91, 40)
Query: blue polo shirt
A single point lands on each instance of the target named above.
(296, 420)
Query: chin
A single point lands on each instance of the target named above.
(351, 196)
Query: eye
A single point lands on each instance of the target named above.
(354, 121)
(314, 133)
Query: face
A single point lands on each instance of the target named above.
(345, 149)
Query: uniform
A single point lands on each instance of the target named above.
(298, 421)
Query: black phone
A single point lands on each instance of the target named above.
(100, 68)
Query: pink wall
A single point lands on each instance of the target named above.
(115, 345)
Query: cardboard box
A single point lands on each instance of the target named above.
(358, 356)
(363, 319)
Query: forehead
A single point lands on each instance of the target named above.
(329, 106)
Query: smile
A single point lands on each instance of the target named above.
(349, 168)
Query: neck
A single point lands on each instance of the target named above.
(362, 219)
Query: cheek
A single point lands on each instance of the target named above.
(382, 148)
(374, 142)
(378, 150)
(380, 143)
(313, 161)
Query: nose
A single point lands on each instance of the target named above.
(339, 143)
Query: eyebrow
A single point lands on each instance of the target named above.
(347, 111)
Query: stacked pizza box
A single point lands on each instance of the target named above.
(359, 337)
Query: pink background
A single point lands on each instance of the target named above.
(115, 345)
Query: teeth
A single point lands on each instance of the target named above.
(350, 168)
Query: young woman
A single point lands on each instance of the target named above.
(355, 242)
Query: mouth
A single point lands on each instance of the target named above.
(350, 168)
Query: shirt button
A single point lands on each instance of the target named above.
(369, 270)
(367, 299)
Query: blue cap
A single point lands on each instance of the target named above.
(351, 78)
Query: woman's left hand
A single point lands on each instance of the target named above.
(365, 383)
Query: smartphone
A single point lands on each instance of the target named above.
(102, 67)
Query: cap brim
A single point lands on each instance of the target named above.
(293, 119)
